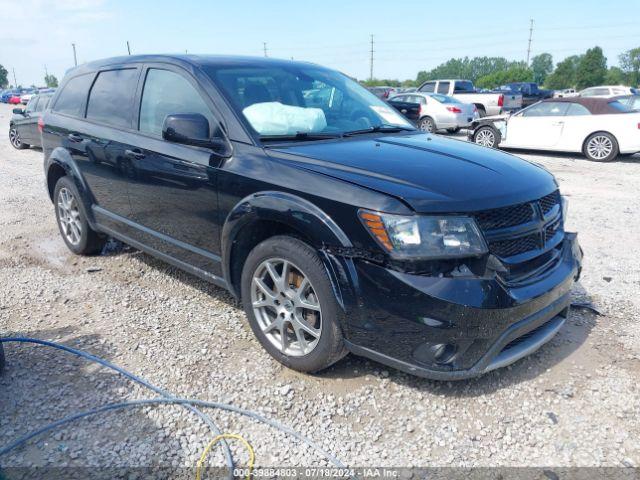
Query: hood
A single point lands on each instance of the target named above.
(428, 172)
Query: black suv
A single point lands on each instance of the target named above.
(339, 226)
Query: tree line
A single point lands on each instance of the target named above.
(576, 71)
(49, 80)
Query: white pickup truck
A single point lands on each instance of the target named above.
(464, 91)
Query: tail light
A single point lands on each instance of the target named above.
(454, 109)
(421, 110)
(40, 124)
(501, 101)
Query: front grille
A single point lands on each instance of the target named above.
(521, 228)
(505, 217)
(515, 246)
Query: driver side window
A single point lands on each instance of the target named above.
(167, 93)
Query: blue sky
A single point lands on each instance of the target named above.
(409, 35)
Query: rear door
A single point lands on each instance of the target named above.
(173, 186)
(407, 106)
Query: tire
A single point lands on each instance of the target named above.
(487, 136)
(601, 147)
(481, 112)
(14, 139)
(453, 130)
(427, 125)
(71, 217)
(279, 312)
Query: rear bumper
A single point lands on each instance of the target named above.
(404, 319)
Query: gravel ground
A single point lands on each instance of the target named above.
(576, 402)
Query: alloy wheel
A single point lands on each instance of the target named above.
(286, 307)
(14, 138)
(600, 147)
(426, 125)
(486, 138)
(69, 216)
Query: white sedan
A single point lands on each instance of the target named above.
(600, 128)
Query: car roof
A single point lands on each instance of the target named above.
(595, 105)
(186, 60)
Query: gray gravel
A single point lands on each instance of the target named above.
(575, 402)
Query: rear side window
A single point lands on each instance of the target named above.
(443, 87)
(167, 93)
(463, 87)
(73, 95)
(111, 97)
(576, 109)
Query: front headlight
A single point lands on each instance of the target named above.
(425, 237)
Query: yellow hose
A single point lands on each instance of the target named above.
(215, 440)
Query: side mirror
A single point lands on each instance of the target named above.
(192, 129)
(18, 111)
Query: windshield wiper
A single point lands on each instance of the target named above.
(299, 136)
(384, 127)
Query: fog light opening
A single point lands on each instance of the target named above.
(443, 353)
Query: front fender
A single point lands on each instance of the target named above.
(292, 211)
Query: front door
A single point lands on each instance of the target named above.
(538, 127)
(173, 187)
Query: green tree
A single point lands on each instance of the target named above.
(564, 76)
(592, 69)
(615, 76)
(466, 68)
(516, 73)
(51, 81)
(630, 63)
(542, 66)
(4, 77)
(380, 82)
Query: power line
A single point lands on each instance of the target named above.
(75, 58)
(264, 47)
(15, 82)
(371, 61)
(128, 48)
(529, 47)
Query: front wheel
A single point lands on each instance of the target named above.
(487, 136)
(427, 125)
(292, 310)
(601, 147)
(16, 140)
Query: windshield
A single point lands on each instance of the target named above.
(294, 100)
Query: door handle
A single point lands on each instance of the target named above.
(74, 137)
(135, 154)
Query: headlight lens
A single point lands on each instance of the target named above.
(425, 237)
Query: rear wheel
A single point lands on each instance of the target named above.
(487, 136)
(453, 130)
(290, 304)
(16, 140)
(426, 124)
(80, 238)
(601, 147)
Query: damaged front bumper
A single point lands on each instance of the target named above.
(456, 327)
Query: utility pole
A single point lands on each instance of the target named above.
(128, 47)
(15, 82)
(75, 58)
(530, 36)
(264, 47)
(371, 61)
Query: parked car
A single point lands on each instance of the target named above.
(607, 91)
(340, 227)
(530, 92)
(27, 95)
(567, 92)
(7, 94)
(383, 92)
(631, 101)
(24, 130)
(600, 128)
(15, 99)
(431, 112)
(463, 90)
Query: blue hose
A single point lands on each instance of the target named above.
(167, 400)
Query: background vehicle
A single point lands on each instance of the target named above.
(431, 112)
(7, 94)
(566, 93)
(281, 204)
(463, 90)
(600, 128)
(530, 92)
(23, 126)
(382, 92)
(26, 96)
(607, 91)
(14, 99)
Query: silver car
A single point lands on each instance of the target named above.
(432, 112)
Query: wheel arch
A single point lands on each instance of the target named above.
(584, 142)
(266, 214)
